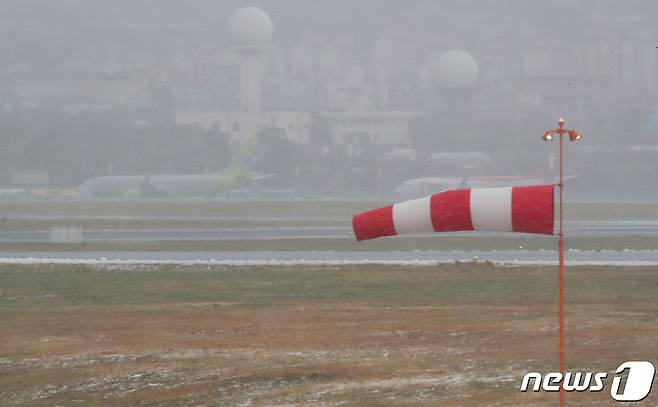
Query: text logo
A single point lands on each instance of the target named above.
(634, 387)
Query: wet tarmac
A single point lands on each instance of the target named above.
(573, 229)
(420, 258)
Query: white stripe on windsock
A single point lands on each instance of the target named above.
(413, 216)
(527, 209)
(491, 209)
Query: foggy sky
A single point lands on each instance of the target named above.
(43, 41)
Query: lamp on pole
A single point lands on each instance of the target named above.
(549, 135)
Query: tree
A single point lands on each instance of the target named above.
(278, 156)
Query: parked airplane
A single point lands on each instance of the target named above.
(194, 185)
(13, 193)
(418, 187)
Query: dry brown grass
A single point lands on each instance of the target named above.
(459, 335)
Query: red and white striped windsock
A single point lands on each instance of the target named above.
(513, 209)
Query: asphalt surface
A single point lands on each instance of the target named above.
(573, 229)
(511, 257)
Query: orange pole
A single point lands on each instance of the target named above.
(561, 255)
(573, 136)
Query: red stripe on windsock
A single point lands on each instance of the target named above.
(451, 211)
(532, 209)
(374, 223)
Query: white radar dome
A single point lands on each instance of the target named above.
(251, 26)
(454, 69)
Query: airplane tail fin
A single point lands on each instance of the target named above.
(548, 170)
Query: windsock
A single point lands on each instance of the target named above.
(514, 209)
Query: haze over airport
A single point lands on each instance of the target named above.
(324, 99)
(327, 203)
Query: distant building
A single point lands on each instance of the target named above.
(391, 128)
(88, 91)
(251, 28)
(243, 127)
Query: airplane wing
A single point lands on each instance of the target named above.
(258, 177)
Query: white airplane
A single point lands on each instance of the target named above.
(193, 185)
(419, 187)
(13, 193)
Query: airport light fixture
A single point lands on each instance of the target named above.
(550, 135)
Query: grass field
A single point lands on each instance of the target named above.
(450, 335)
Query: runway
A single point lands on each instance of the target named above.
(648, 228)
(265, 258)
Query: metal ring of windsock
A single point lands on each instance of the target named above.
(526, 209)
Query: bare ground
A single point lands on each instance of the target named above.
(454, 335)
